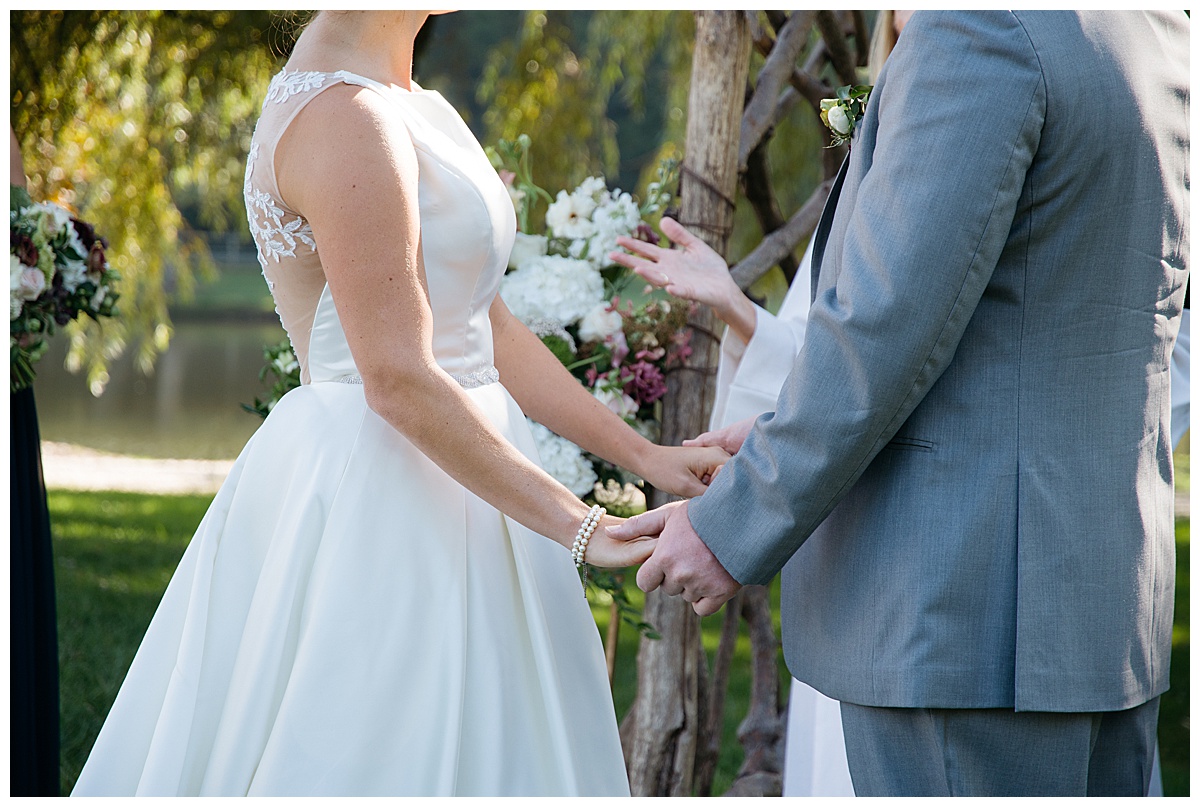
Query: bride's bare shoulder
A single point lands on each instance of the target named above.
(346, 133)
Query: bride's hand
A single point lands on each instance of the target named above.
(693, 272)
(609, 553)
(684, 471)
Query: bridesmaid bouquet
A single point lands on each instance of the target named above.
(616, 335)
(58, 270)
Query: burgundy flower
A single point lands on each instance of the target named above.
(645, 232)
(96, 263)
(85, 232)
(643, 382)
(23, 247)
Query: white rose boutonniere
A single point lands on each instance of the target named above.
(842, 114)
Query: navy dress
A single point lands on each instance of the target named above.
(34, 740)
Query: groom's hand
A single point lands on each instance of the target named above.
(729, 438)
(681, 564)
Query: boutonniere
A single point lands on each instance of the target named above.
(843, 113)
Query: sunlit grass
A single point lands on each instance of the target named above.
(115, 553)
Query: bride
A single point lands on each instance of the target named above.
(369, 607)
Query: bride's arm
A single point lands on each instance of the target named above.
(549, 394)
(348, 165)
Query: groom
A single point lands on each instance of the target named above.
(968, 474)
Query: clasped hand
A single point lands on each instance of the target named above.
(681, 564)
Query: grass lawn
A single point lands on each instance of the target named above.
(115, 552)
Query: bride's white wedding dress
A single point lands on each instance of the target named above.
(348, 619)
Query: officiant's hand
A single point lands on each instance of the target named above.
(681, 564)
(729, 438)
(694, 271)
(681, 471)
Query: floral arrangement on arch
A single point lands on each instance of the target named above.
(613, 332)
(57, 271)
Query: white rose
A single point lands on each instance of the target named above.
(32, 284)
(526, 248)
(600, 323)
(839, 121)
(621, 404)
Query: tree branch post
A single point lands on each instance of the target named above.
(663, 730)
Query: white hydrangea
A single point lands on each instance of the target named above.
(552, 287)
(526, 248)
(600, 323)
(563, 460)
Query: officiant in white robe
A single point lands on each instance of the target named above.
(749, 377)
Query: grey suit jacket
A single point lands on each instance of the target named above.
(968, 473)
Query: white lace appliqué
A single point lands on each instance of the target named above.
(276, 232)
(285, 85)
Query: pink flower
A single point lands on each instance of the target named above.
(643, 382)
(620, 347)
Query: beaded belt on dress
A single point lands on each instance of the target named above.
(476, 378)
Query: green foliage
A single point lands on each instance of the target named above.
(563, 90)
(120, 116)
(283, 372)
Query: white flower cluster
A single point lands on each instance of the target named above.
(552, 287)
(52, 228)
(563, 460)
(590, 218)
(568, 289)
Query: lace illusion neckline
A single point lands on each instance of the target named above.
(287, 83)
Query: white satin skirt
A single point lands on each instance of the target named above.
(349, 620)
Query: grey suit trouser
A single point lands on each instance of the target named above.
(999, 752)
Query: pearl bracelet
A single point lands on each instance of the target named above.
(579, 547)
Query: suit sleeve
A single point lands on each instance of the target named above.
(960, 110)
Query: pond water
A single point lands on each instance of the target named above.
(189, 408)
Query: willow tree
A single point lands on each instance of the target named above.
(124, 116)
